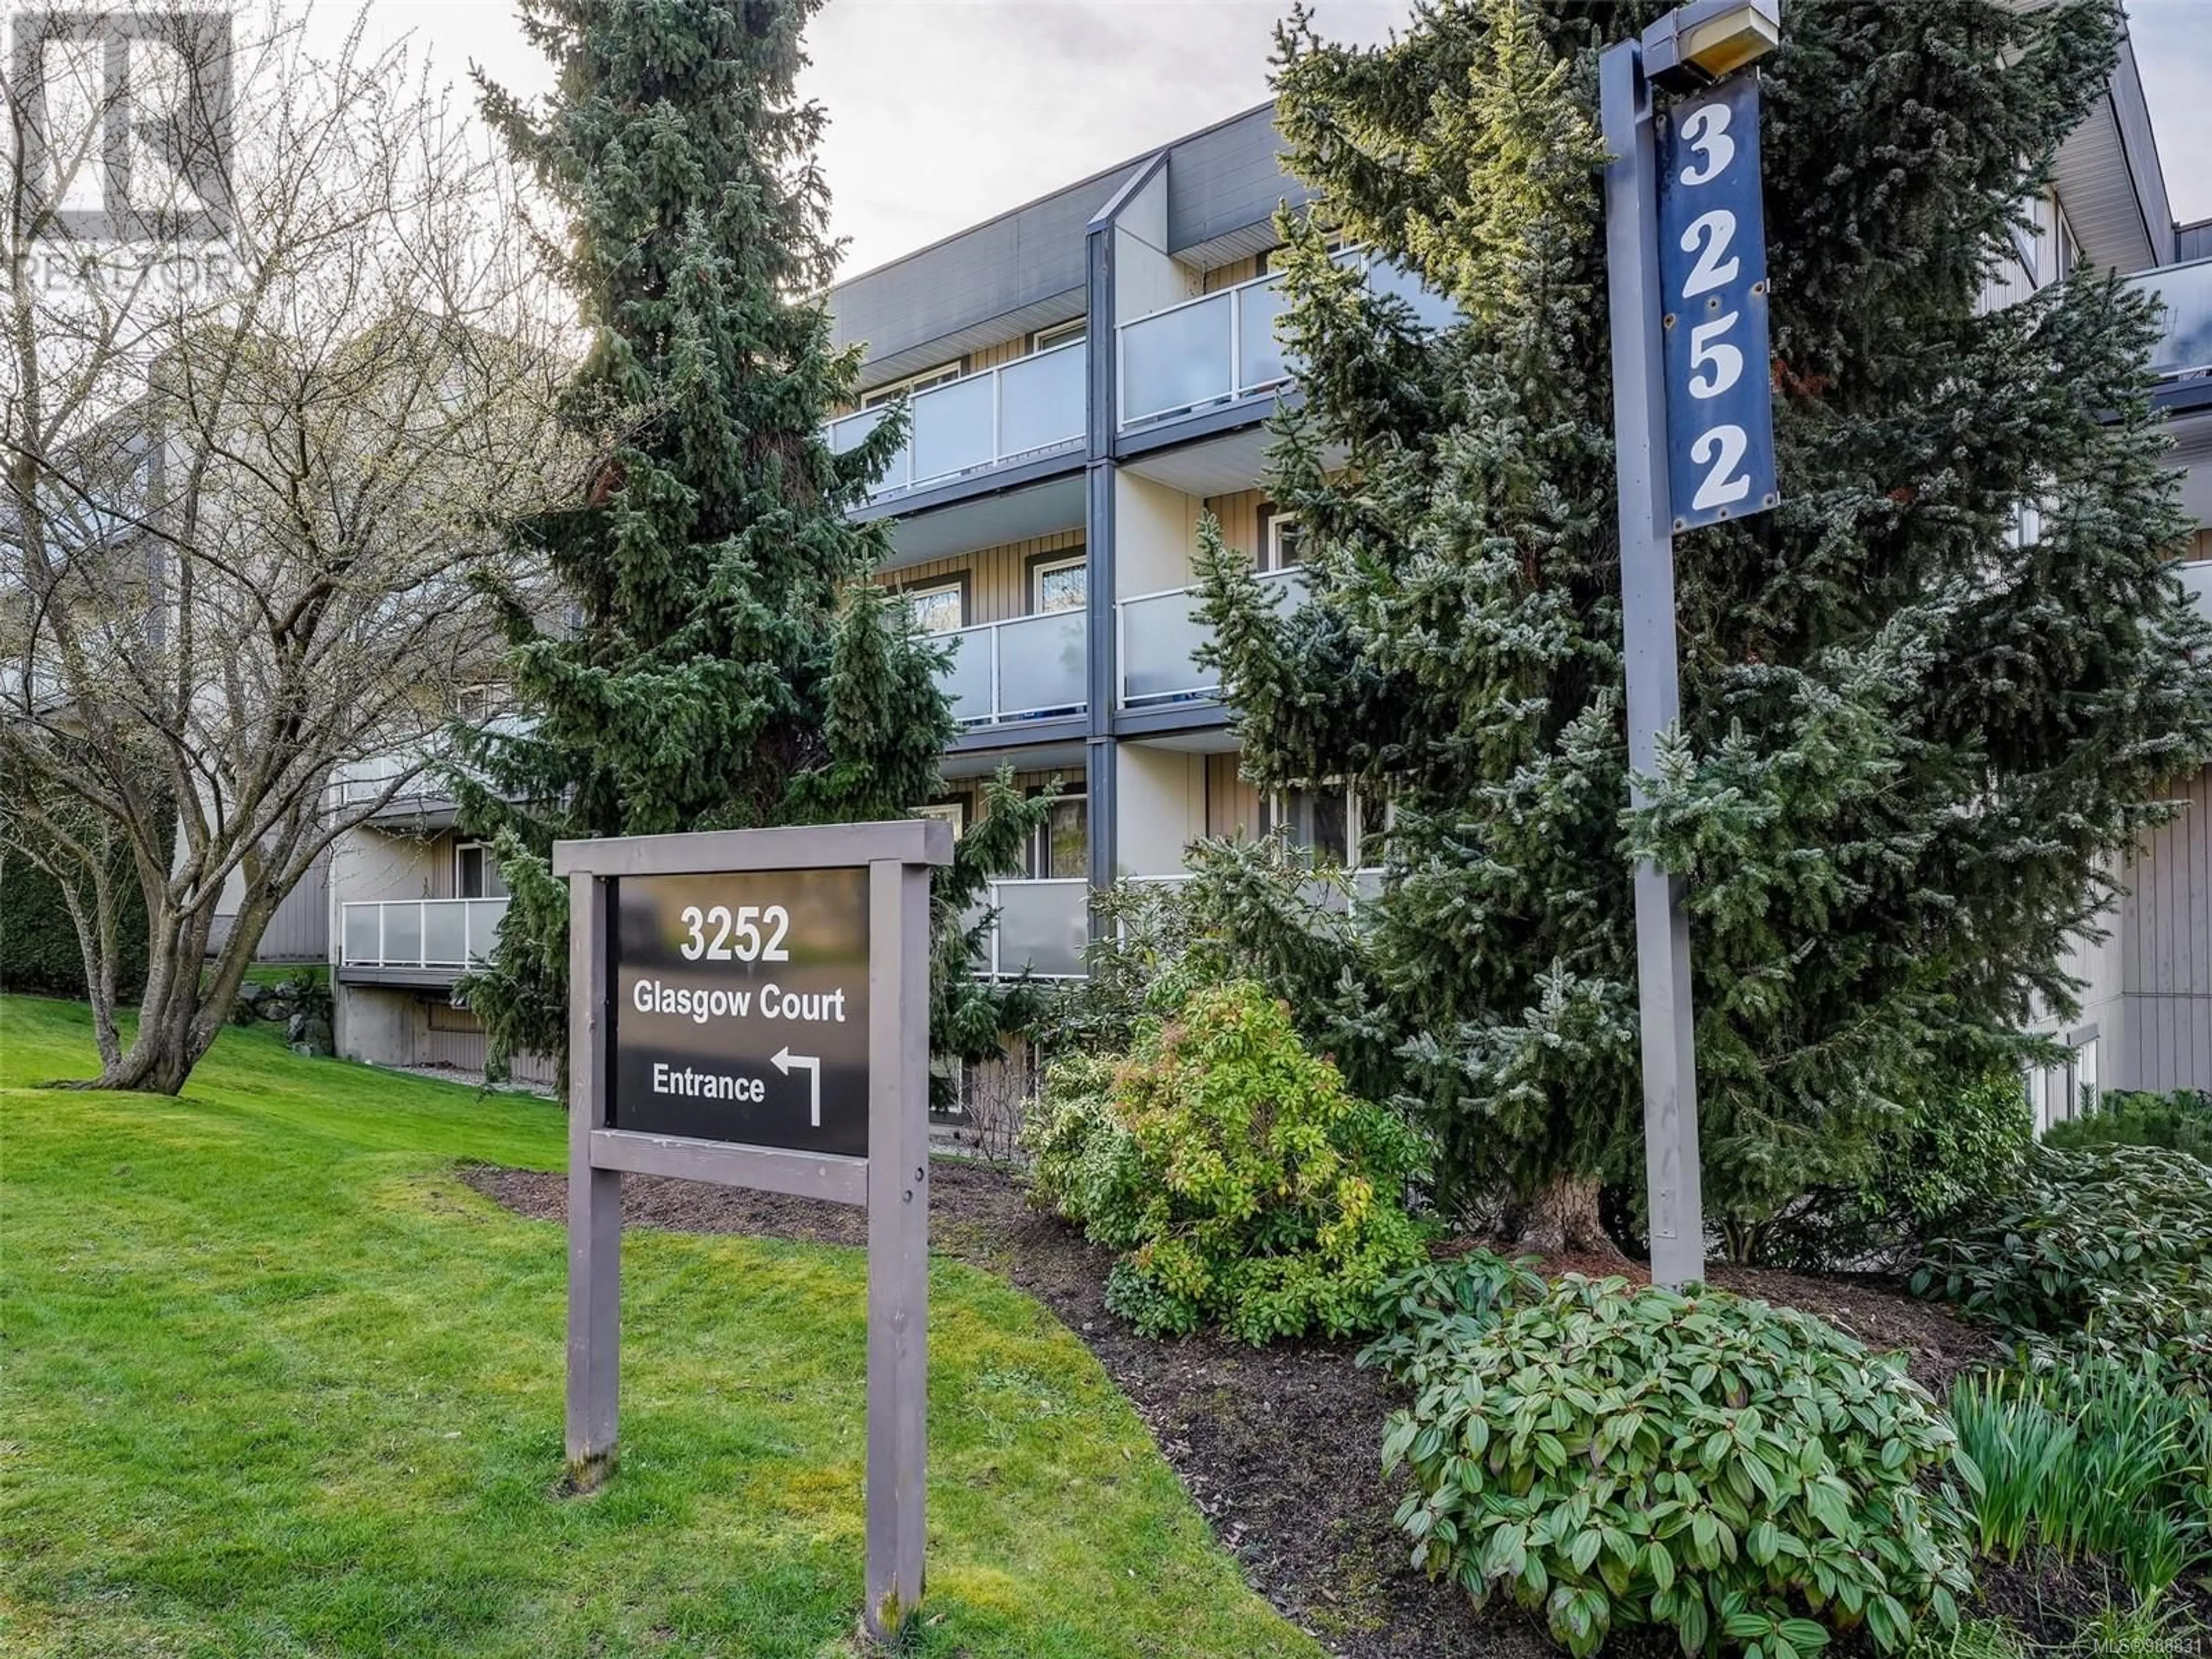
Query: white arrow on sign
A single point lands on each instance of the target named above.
(783, 1060)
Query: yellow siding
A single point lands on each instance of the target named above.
(998, 577)
(1239, 517)
(970, 790)
(1232, 805)
(1235, 271)
(1005, 352)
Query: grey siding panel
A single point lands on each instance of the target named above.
(301, 929)
(2193, 242)
(1227, 178)
(1019, 259)
(2166, 950)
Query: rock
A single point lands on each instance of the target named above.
(310, 1035)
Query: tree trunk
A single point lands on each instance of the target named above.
(1561, 1218)
(180, 1015)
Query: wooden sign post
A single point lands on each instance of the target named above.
(750, 1007)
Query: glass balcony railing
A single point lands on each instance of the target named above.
(1027, 407)
(1042, 928)
(2185, 291)
(1224, 346)
(421, 933)
(2196, 583)
(1160, 634)
(1025, 669)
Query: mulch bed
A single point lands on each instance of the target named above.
(1281, 1446)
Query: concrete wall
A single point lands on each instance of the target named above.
(1155, 529)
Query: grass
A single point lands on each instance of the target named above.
(275, 1383)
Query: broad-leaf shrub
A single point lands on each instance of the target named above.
(2105, 1248)
(1244, 1185)
(1746, 1474)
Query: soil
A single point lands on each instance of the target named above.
(1277, 1446)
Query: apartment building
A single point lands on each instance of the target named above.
(1089, 375)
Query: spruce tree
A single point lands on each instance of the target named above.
(717, 658)
(1922, 726)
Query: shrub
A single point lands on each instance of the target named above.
(2100, 1459)
(1950, 1151)
(39, 948)
(1743, 1473)
(2181, 1121)
(2103, 1248)
(1242, 1182)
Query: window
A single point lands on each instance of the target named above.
(939, 607)
(1059, 334)
(922, 382)
(1281, 539)
(1058, 581)
(1335, 824)
(953, 810)
(476, 872)
(1060, 849)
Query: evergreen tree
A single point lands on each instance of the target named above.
(723, 662)
(1921, 728)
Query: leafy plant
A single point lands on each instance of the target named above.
(1240, 1180)
(1441, 1306)
(2181, 1121)
(1743, 1473)
(1954, 1147)
(2100, 1459)
(2102, 1248)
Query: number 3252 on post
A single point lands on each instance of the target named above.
(1712, 278)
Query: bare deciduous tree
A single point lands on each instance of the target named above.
(246, 481)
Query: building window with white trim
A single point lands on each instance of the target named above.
(476, 872)
(939, 607)
(912, 383)
(1281, 540)
(1059, 334)
(1060, 583)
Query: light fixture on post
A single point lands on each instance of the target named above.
(1696, 45)
(1693, 445)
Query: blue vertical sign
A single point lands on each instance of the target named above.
(1712, 280)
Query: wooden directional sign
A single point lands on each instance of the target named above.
(751, 1007)
(741, 1008)
(1713, 292)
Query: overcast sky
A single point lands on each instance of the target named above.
(946, 112)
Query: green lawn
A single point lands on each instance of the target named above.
(273, 1382)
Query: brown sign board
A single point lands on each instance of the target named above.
(750, 1007)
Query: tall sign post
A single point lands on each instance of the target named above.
(750, 1007)
(1693, 433)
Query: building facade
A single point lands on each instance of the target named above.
(1088, 376)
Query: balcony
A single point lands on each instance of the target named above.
(1032, 406)
(1224, 347)
(1042, 928)
(2185, 346)
(417, 940)
(1030, 668)
(1160, 634)
(2197, 585)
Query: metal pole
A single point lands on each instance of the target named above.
(1647, 603)
(594, 1201)
(898, 1239)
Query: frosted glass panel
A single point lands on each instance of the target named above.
(1261, 360)
(360, 930)
(1041, 664)
(1041, 400)
(442, 929)
(1176, 359)
(967, 677)
(952, 427)
(1044, 925)
(1159, 637)
(403, 932)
